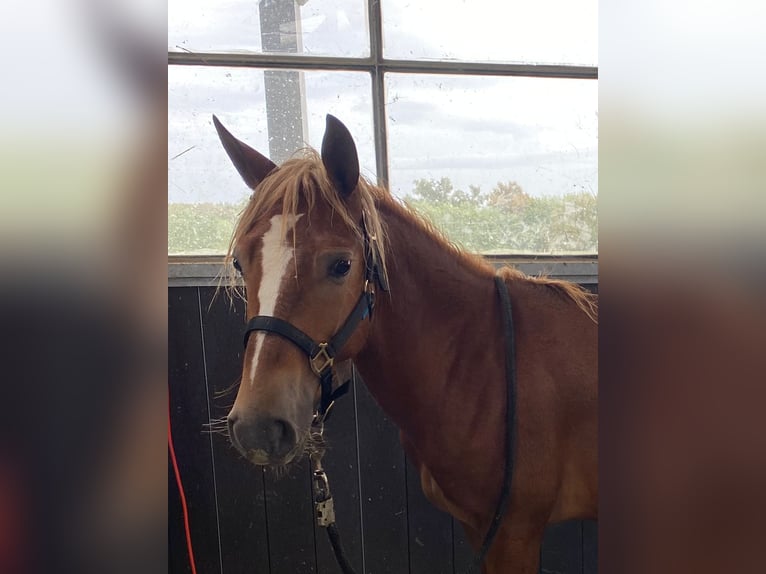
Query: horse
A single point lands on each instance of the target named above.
(316, 243)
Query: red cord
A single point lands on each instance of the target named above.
(183, 496)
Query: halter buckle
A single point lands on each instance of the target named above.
(321, 360)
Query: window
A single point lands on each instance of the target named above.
(483, 115)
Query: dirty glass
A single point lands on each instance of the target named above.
(501, 164)
(318, 27)
(544, 31)
(205, 192)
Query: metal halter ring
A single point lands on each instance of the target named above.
(324, 356)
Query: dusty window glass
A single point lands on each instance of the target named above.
(544, 31)
(501, 164)
(318, 27)
(205, 192)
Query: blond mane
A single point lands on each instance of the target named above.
(473, 261)
(587, 302)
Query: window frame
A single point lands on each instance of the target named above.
(209, 270)
(204, 269)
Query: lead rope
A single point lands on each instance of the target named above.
(510, 423)
(324, 510)
(325, 514)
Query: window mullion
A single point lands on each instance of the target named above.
(378, 92)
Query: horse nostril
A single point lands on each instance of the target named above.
(281, 432)
(281, 437)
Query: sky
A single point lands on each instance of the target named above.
(542, 133)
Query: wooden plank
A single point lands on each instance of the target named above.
(289, 514)
(430, 530)
(340, 463)
(589, 547)
(383, 489)
(178, 559)
(562, 549)
(239, 484)
(188, 415)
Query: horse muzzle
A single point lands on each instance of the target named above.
(262, 439)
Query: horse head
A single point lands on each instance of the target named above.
(301, 247)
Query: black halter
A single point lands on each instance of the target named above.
(322, 355)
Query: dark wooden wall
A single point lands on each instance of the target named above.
(246, 520)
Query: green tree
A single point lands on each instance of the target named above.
(200, 228)
(509, 197)
(442, 191)
(508, 219)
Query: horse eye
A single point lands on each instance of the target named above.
(340, 268)
(236, 264)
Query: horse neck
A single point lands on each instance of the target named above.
(427, 333)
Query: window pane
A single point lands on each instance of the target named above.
(544, 31)
(529, 145)
(205, 192)
(319, 27)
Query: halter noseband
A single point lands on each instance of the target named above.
(322, 355)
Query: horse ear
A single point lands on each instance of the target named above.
(339, 156)
(252, 166)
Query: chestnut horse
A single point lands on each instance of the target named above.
(432, 353)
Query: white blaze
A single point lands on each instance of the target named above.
(276, 256)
